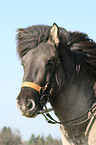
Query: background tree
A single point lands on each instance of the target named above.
(8, 138)
(41, 140)
(32, 139)
(17, 137)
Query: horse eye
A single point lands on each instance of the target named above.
(50, 63)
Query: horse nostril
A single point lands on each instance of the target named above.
(30, 105)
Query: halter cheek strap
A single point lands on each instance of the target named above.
(31, 85)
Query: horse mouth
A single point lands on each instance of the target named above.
(30, 110)
(30, 114)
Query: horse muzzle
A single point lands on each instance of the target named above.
(28, 109)
(25, 101)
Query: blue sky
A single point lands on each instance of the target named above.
(72, 15)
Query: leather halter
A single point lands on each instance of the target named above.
(32, 85)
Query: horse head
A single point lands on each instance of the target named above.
(41, 69)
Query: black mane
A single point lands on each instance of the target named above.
(81, 46)
(29, 38)
(84, 51)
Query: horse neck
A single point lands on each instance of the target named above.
(76, 91)
(73, 102)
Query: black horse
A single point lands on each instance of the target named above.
(59, 67)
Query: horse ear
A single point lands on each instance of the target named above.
(54, 34)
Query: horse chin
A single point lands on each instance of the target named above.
(31, 114)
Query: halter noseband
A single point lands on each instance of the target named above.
(32, 85)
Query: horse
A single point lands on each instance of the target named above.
(60, 68)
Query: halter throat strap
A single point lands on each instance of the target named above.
(31, 85)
